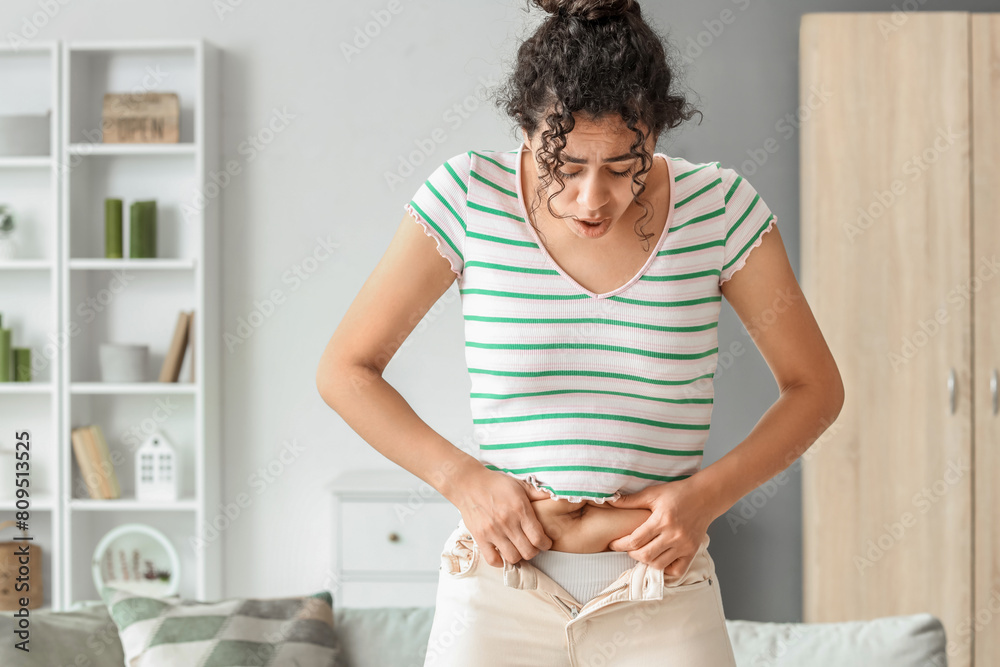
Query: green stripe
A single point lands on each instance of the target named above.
(699, 218)
(736, 225)
(684, 276)
(620, 471)
(732, 188)
(483, 179)
(665, 304)
(691, 248)
(489, 159)
(440, 231)
(592, 320)
(458, 179)
(505, 267)
(749, 243)
(563, 297)
(494, 211)
(591, 415)
(521, 295)
(499, 239)
(600, 374)
(694, 195)
(693, 171)
(554, 392)
(595, 443)
(591, 346)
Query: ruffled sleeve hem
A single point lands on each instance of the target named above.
(442, 249)
(746, 255)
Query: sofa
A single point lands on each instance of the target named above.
(397, 637)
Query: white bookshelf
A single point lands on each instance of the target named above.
(29, 301)
(137, 301)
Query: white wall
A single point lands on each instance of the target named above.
(324, 176)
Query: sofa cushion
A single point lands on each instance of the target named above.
(85, 636)
(384, 637)
(228, 633)
(890, 641)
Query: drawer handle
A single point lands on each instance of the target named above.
(394, 537)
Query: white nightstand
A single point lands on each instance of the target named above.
(389, 530)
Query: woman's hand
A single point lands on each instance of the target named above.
(673, 533)
(496, 508)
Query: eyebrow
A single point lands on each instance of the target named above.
(617, 158)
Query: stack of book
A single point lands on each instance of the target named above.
(94, 459)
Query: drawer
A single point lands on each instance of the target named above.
(389, 536)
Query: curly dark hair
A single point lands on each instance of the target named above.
(599, 58)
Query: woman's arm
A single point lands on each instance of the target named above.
(768, 300)
(406, 282)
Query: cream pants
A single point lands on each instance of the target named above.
(516, 615)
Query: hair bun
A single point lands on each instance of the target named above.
(590, 10)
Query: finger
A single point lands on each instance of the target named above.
(535, 534)
(507, 549)
(536, 494)
(677, 567)
(637, 539)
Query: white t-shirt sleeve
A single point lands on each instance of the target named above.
(440, 207)
(748, 218)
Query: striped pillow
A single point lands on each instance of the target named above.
(235, 633)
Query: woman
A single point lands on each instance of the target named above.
(591, 342)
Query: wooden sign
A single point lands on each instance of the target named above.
(138, 118)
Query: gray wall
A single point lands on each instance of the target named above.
(327, 175)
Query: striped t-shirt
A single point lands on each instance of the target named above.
(589, 395)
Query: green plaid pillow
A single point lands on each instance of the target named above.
(231, 633)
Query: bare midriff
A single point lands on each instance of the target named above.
(585, 527)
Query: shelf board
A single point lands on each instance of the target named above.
(133, 387)
(25, 161)
(186, 148)
(155, 264)
(26, 387)
(40, 503)
(25, 264)
(131, 504)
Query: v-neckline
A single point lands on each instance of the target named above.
(572, 281)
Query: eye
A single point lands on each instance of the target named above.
(618, 174)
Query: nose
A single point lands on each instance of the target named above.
(592, 196)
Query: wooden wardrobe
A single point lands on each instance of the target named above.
(900, 262)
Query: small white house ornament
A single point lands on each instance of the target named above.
(156, 471)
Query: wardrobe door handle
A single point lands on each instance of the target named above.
(951, 390)
(993, 390)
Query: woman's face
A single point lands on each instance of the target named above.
(598, 177)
